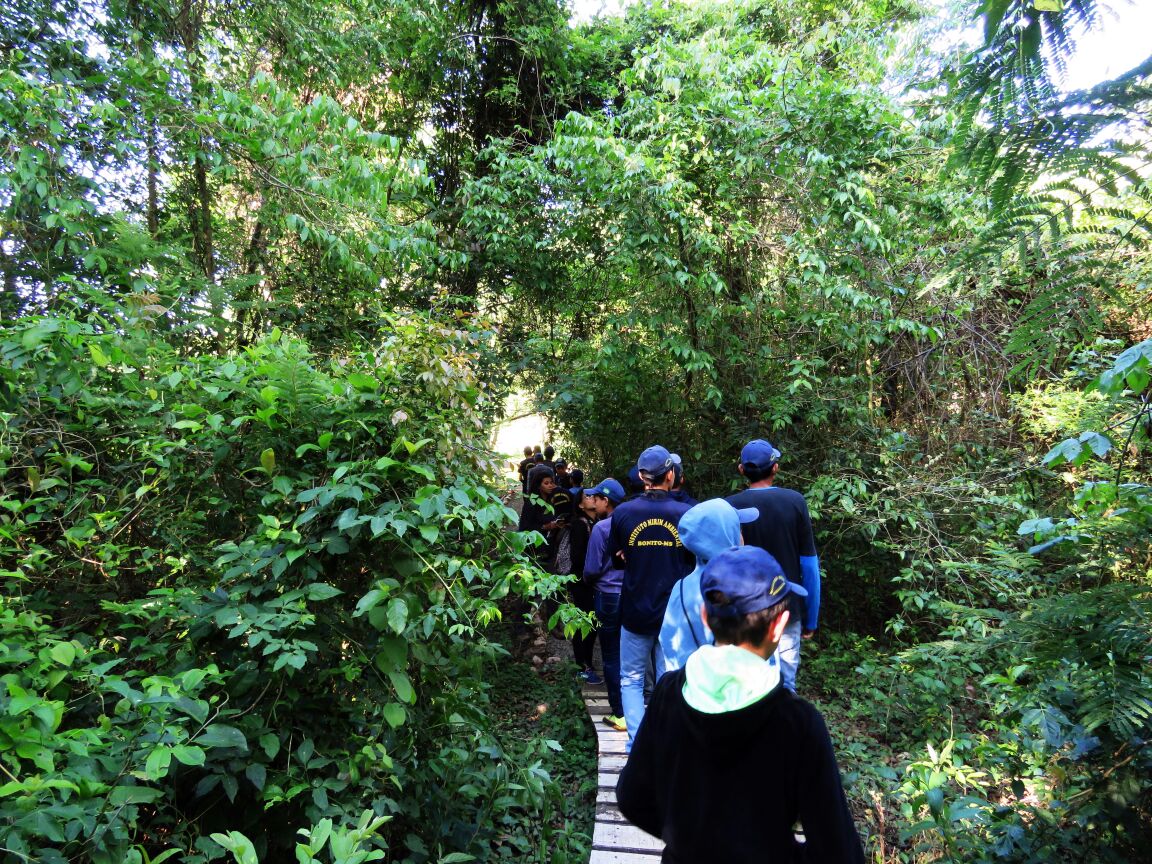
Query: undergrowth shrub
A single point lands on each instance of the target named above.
(245, 596)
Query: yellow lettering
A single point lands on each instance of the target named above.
(661, 524)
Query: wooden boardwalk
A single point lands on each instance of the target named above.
(614, 841)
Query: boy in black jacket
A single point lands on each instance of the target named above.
(727, 760)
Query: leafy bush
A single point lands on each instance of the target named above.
(247, 594)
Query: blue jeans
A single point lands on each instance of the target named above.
(640, 656)
(607, 608)
(788, 654)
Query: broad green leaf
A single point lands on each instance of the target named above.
(156, 766)
(222, 735)
(268, 460)
(63, 653)
(240, 846)
(397, 614)
(257, 775)
(395, 714)
(270, 744)
(98, 357)
(403, 684)
(322, 591)
(187, 754)
(134, 795)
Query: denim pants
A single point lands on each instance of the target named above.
(788, 654)
(640, 656)
(607, 608)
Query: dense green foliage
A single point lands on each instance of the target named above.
(269, 270)
(245, 597)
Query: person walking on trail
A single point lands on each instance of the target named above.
(728, 760)
(579, 592)
(645, 531)
(537, 513)
(525, 464)
(706, 530)
(784, 530)
(677, 492)
(605, 575)
(576, 479)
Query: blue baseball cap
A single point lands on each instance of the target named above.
(608, 488)
(656, 461)
(759, 454)
(749, 578)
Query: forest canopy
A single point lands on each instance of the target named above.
(270, 270)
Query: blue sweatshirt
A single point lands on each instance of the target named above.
(645, 530)
(600, 571)
(706, 530)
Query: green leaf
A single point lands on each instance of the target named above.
(319, 835)
(431, 533)
(363, 382)
(134, 795)
(257, 775)
(348, 519)
(270, 744)
(36, 335)
(395, 714)
(1036, 526)
(268, 460)
(397, 615)
(413, 448)
(456, 858)
(393, 653)
(403, 684)
(322, 591)
(156, 766)
(63, 653)
(994, 11)
(98, 357)
(240, 846)
(935, 800)
(187, 754)
(222, 735)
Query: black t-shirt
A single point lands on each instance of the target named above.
(784, 531)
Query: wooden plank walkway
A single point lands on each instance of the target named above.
(614, 841)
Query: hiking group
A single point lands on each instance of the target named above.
(701, 611)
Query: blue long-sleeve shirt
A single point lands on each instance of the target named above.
(600, 570)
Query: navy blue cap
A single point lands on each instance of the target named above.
(656, 461)
(608, 488)
(749, 577)
(759, 454)
(561, 463)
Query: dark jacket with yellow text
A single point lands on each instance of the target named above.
(645, 530)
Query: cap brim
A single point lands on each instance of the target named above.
(797, 589)
(747, 514)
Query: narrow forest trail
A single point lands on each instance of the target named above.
(614, 840)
